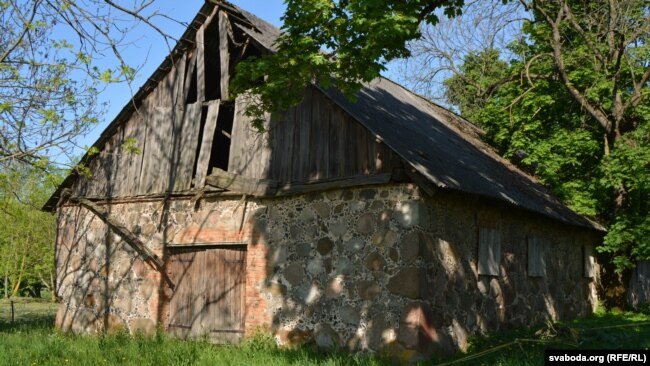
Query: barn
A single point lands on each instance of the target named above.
(384, 223)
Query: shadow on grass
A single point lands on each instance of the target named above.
(604, 330)
(36, 323)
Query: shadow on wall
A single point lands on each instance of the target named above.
(366, 268)
(383, 267)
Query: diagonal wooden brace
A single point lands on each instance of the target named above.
(130, 238)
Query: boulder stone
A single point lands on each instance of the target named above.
(344, 266)
(142, 326)
(114, 324)
(324, 245)
(349, 314)
(375, 262)
(384, 238)
(354, 244)
(368, 290)
(147, 288)
(334, 287)
(278, 256)
(322, 209)
(307, 215)
(407, 283)
(416, 326)
(383, 219)
(407, 213)
(315, 266)
(338, 229)
(410, 246)
(294, 338)
(294, 273)
(366, 224)
(368, 194)
(303, 249)
(326, 337)
(278, 289)
(379, 333)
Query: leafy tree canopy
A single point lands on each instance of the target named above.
(344, 42)
(571, 104)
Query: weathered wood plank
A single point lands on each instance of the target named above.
(200, 63)
(191, 70)
(154, 175)
(489, 251)
(322, 185)
(249, 150)
(136, 129)
(318, 137)
(206, 145)
(288, 132)
(186, 134)
(179, 83)
(224, 55)
(304, 125)
(234, 182)
(536, 260)
(589, 261)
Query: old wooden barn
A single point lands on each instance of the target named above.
(381, 223)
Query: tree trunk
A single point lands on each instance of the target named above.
(19, 278)
(6, 285)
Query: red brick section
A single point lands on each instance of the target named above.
(255, 315)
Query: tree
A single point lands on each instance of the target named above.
(358, 36)
(571, 103)
(51, 57)
(26, 233)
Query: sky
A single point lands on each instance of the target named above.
(147, 49)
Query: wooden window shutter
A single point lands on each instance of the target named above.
(489, 252)
(536, 260)
(589, 261)
(643, 271)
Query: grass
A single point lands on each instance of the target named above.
(26, 309)
(603, 330)
(31, 340)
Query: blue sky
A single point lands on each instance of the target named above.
(148, 50)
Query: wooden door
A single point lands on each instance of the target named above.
(208, 300)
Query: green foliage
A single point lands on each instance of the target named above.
(26, 233)
(358, 36)
(578, 121)
(32, 340)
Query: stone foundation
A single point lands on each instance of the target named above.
(379, 268)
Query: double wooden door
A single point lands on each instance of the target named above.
(209, 297)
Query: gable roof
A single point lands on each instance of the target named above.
(443, 147)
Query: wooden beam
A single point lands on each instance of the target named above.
(337, 183)
(237, 183)
(421, 181)
(130, 238)
(206, 145)
(224, 55)
(271, 188)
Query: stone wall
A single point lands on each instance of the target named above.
(366, 269)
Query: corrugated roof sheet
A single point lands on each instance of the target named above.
(442, 146)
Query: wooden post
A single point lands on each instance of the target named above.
(11, 302)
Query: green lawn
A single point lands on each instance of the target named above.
(31, 340)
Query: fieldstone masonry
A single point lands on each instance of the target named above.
(381, 268)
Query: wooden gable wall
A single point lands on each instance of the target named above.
(188, 125)
(315, 140)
